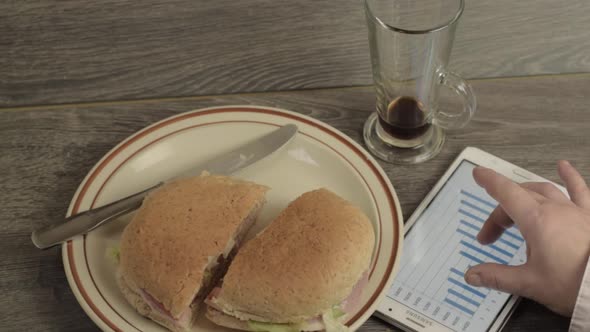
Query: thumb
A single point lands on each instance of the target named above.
(505, 278)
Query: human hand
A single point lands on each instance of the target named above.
(557, 234)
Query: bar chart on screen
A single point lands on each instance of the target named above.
(442, 245)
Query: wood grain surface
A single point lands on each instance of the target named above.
(79, 50)
(47, 151)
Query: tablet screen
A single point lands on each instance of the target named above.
(441, 246)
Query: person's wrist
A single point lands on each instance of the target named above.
(581, 312)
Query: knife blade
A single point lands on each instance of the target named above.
(226, 164)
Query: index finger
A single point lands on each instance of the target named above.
(518, 204)
(575, 184)
(494, 226)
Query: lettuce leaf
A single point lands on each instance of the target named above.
(113, 254)
(269, 327)
(332, 323)
(337, 312)
(332, 320)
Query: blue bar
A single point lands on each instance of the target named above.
(514, 235)
(508, 243)
(467, 288)
(493, 246)
(475, 207)
(483, 252)
(481, 200)
(500, 250)
(470, 225)
(455, 271)
(469, 235)
(460, 307)
(463, 297)
(470, 215)
(473, 258)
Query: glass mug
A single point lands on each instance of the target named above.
(410, 44)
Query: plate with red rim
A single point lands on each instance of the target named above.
(319, 156)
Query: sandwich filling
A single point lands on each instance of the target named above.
(331, 320)
(155, 305)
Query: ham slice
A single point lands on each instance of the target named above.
(159, 307)
(155, 304)
(351, 303)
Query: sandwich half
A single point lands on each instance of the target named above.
(180, 242)
(304, 272)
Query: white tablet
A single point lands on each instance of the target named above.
(429, 292)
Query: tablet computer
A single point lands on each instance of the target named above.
(429, 292)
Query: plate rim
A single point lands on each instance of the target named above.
(99, 318)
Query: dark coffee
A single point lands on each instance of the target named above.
(404, 119)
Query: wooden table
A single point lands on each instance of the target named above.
(77, 77)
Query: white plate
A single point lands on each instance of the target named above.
(320, 156)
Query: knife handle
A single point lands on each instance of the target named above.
(86, 221)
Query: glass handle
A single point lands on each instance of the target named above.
(455, 120)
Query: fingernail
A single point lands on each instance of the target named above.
(473, 279)
(479, 238)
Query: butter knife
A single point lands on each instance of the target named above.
(226, 164)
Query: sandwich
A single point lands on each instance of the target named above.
(303, 272)
(180, 242)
